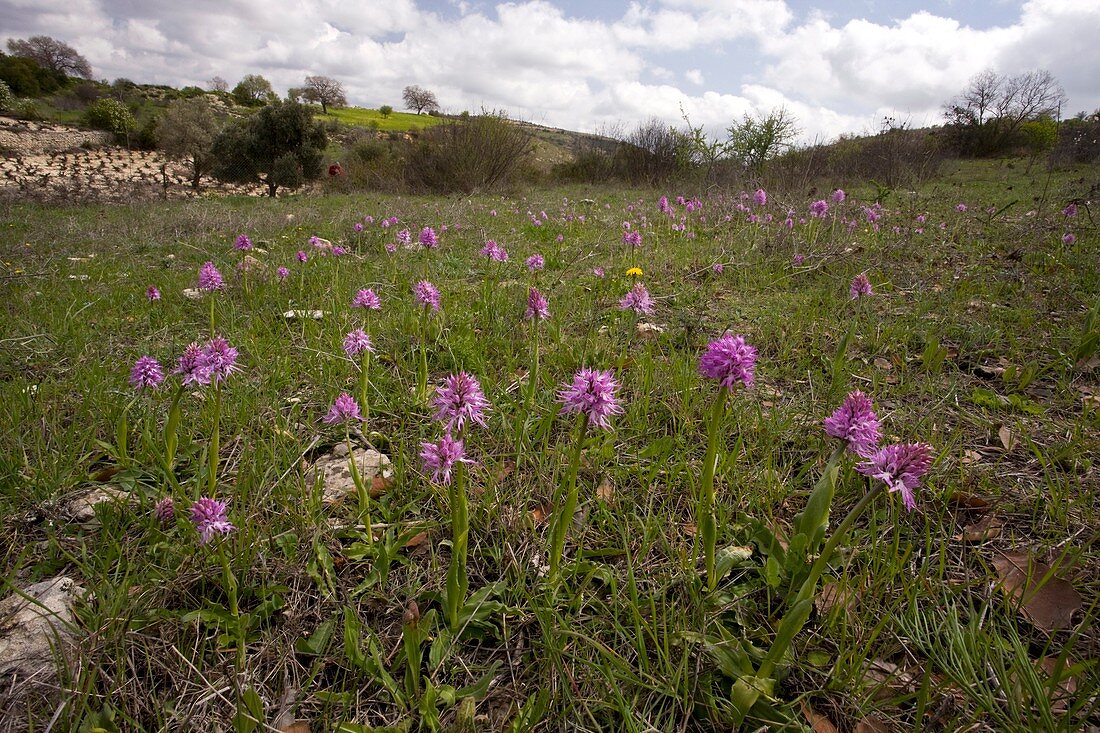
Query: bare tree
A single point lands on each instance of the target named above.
(218, 84)
(52, 54)
(759, 137)
(324, 90)
(419, 99)
(988, 115)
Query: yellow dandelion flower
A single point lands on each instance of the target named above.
(634, 272)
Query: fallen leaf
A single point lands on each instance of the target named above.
(985, 529)
(831, 596)
(1008, 440)
(541, 513)
(872, 724)
(605, 492)
(298, 726)
(690, 529)
(1065, 686)
(1045, 600)
(883, 364)
(379, 485)
(817, 721)
(104, 475)
(967, 501)
(889, 680)
(971, 457)
(417, 540)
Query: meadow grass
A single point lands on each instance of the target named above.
(978, 329)
(372, 118)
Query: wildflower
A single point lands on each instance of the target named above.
(146, 374)
(718, 268)
(302, 256)
(798, 259)
(243, 242)
(164, 511)
(839, 196)
(760, 198)
(344, 409)
(900, 467)
(535, 262)
(819, 208)
(358, 226)
(1070, 211)
(391, 247)
(440, 458)
(861, 285)
(637, 300)
(598, 272)
(356, 342)
(283, 273)
(1069, 238)
(961, 208)
(537, 306)
(366, 299)
(210, 519)
(458, 400)
(152, 293)
(218, 360)
(634, 272)
(210, 278)
(729, 360)
(592, 393)
(428, 238)
(339, 251)
(633, 238)
(494, 251)
(368, 219)
(855, 422)
(190, 366)
(427, 295)
(404, 236)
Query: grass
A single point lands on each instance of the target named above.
(974, 326)
(372, 118)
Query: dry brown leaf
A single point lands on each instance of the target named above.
(605, 492)
(967, 501)
(378, 486)
(1091, 400)
(1008, 440)
(104, 475)
(985, 529)
(504, 471)
(817, 721)
(889, 679)
(417, 540)
(971, 457)
(832, 596)
(690, 529)
(298, 726)
(1066, 686)
(872, 724)
(541, 513)
(1045, 600)
(883, 364)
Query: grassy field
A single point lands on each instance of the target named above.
(395, 122)
(975, 611)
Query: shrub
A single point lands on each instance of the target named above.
(653, 153)
(467, 155)
(385, 110)
(110, 115)
(7, 99)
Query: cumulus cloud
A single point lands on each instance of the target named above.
(536, 60)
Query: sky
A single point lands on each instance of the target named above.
(596, 66)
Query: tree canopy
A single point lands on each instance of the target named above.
(279, 146)
(324, 90)
(253, 90)
(186, 132)
(50, 53)
(419, 99)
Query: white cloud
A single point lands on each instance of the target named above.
(532, 58)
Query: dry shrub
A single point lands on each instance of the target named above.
(467, 155)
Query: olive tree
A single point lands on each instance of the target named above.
(186, 132)
(252, 90)
(279, 146)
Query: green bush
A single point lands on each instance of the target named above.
(467, 155)
(110, 115)
(7, 99)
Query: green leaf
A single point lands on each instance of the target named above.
(480, 688)
(250, 712)
(315, 644)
